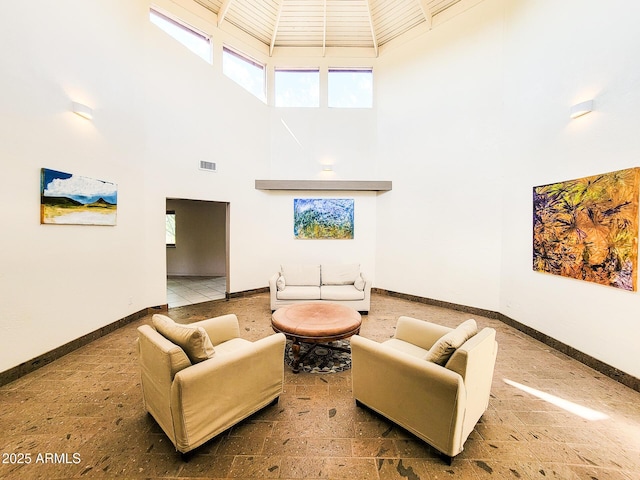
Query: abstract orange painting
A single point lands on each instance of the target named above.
(588, 228)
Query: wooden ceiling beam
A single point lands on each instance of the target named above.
(426, 11)
(324, 30)
(224, 9)
(274, 35)
(374, 38)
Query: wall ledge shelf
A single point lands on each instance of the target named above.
(345, 185)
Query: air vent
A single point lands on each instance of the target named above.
(208, 166)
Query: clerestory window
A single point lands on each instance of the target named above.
(245, 71)
(196, 41)
(297, 87)
(350, 88)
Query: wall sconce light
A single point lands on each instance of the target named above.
(327, 168)
(580, 109)
(82, 110)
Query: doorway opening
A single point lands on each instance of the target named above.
(197, 245)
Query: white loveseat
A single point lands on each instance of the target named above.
(342, 283)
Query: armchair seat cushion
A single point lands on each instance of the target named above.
(232, 345)
(406, 347)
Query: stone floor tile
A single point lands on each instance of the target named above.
(255, 466)
(89, 402)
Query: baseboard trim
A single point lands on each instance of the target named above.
(438, 303)
(598, 365)
(619, 376)
(34, 364)
(247, 293)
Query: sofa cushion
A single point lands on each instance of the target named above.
(441, 351)
(340, 292)
(294, 292)
(301, 275)
(281, 283)
(340, 274)
(193, 340)
(360, 283)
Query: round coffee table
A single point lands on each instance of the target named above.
(315, 323)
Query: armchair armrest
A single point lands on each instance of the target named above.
(419, 332)
(220, 329)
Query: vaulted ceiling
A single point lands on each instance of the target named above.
(326, 23)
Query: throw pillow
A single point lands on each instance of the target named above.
(280, 283)
(441, 351)
(193, 340)
(359, 283)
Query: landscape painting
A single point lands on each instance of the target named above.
(74, 200)
(322, 218)
(588, 228)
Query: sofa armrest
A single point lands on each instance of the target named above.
(210, 396)
(272, 281)
(273, 290)
(367, 284)
(220, 329)
(419, 332)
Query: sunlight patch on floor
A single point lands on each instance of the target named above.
(581, 411)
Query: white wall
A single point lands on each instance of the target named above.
(470, 118)
(60, 282)
(467, 119)
(303, 140)
(195, 113)
(582, 53)
(159, 111)
(439, 130)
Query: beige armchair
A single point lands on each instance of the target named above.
(193, 402)
(439, 401)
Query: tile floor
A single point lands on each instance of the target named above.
(183, 291)
(570, 423)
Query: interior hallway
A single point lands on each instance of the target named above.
(550, 417)
(183, 291)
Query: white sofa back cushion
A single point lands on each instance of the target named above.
(340, 274)
(301, 275)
